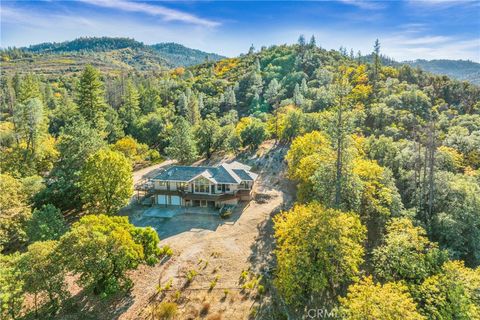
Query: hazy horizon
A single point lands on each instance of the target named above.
(408, 30)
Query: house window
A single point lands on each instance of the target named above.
(227, 187)
(181, 185)
(219, 187)
(162, 184)
(202, 186)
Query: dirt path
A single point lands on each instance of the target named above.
(219, 251)
(150, 171)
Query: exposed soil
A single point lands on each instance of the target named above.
(219, 252)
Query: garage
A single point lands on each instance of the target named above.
(175, 200)
(161, 199)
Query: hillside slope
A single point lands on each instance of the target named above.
(458, 69)
(107, 54)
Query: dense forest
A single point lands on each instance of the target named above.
(385, 160)
(105, 53)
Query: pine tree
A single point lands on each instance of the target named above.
(301, 40)
(359, 56)
(201, 104)
(29, 123)
(272, 95)
(182, 146)
(130, 109)
(376, 66)
(257, 67)
(304, 87)
(313, 42)
(230, 100)
(340, 133)
(91, 100)
(28, 88)
(193, 111)
(182, 104)
(297, 96)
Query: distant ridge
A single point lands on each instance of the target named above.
(458, 69)
(85, 44)
(107, 53)
(181, 55)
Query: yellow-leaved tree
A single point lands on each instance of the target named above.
(319, 252)
(367, 300)
(106, 182)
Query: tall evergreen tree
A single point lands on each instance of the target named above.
(182, 146)
(130, 109)
(376, 66)
(201, 104)
(340, 132)
(272, 96)
(301, 41)
(75, 144)
(28, 88)
(193, 111)
(90, 99)
(272, 93)
(182, 104)
(297, 96)
(304, 87)
(210, 136)
(229, 99)
(28, 118)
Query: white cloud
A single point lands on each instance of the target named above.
(431, 47)
(22, 27)
(156, 10)
(364, 4)
(410, 41)
(423, 5)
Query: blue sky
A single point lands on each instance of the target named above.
(410, 29)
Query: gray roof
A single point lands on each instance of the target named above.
(244, 175)
(228, 173)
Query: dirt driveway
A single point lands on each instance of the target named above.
(217, 250)
(151, 171)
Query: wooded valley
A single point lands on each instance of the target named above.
(384, 161)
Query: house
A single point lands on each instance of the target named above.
(213, 187)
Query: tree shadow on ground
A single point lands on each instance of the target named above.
(85, 306)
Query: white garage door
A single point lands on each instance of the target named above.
(161, 199)
(175, 200)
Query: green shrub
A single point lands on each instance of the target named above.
(214, 282)
(191, 274)
(167, 251)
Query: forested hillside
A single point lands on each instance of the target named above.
(457, 69)
(111, 55)
(385, 162)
